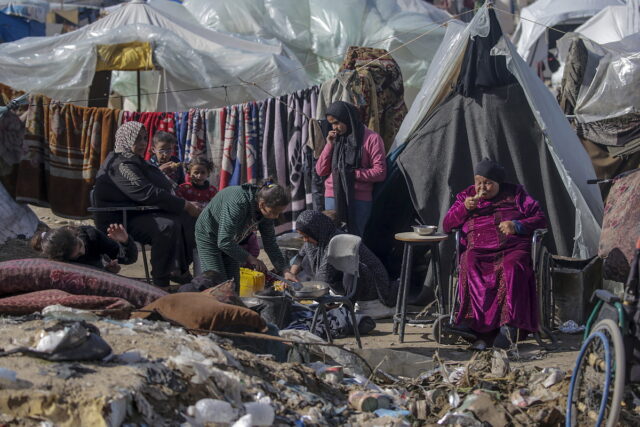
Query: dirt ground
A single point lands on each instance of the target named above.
(418, 340)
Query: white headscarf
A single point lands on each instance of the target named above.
(126, 136)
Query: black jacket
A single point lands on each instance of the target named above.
(97, 245)
(126, 179)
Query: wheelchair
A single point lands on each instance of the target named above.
(445, 332)
(599, 380)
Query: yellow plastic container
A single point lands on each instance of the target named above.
(250, 282)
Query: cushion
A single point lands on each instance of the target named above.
(199, 311)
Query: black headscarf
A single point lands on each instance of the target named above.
(347, 153)
(321, 228)
(490, 169)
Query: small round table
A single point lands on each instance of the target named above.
(411, 240)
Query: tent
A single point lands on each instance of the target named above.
(532, 36)
(595, 93)
(482, 100)
(319, 32)
(612, 23)
(183, 56)
(22, 18)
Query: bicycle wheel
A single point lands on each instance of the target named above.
(618, 358)
(589, 387)
(597, 384)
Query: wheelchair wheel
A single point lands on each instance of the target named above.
(597, 384)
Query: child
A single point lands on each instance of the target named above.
(198, 190)
(163, 147)
(88, 245)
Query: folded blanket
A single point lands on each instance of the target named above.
(34, 302)
(29, 275)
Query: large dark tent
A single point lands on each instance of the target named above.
(481, 100)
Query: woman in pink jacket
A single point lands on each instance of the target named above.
(354, 159)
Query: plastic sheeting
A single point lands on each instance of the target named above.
(609, 88)
(319, 32)
(530, 33)
(35, 10)
(191, 57)
(571, 160)
(608, 26)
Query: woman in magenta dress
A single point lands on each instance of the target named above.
(497, 288)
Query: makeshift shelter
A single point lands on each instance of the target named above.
(613, 23)
(598, 95)
(319, 32)
(22, 18)
(482, 100)
(185, 58)
(534, 38)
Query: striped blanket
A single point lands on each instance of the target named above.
(66, 144)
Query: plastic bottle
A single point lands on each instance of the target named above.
(214, 411)
(262, 414)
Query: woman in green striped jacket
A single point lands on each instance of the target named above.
(230, 217)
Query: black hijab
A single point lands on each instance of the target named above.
(347, 153)
(490, 169)
(321, 228)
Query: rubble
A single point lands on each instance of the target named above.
(159, 375)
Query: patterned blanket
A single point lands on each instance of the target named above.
(34, 302)
(29, 276)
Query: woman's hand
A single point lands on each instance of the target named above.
(290, 276)
(118, 233)
(507, 227)
(331, 137)
(470, 203)
(256, 264)
(192, 209)
(112, 267)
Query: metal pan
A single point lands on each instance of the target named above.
(312, 290)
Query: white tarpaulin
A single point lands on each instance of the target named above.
(530, 35)
(612, 76)
(319, 32)
(570, 158)
(189, 57)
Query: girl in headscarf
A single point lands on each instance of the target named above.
(375, 294)
(497, 287)
(125, 179)
(354, 159)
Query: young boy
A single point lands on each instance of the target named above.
(164, 145)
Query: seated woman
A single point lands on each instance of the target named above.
(125, 179)
(497, 288)
(88, 245)
(375, 294)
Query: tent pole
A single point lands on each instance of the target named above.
(138, 84)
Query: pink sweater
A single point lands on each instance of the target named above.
(373, 166)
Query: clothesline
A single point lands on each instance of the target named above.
(228, 85)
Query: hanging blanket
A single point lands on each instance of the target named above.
(31, 275)
(66, 145)
(214, 127)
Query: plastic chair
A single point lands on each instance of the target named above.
(124, 210)
(343, 254)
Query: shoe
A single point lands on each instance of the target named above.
(478, 345)
(374, 309)
(506, 338)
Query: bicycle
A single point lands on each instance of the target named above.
(599, 379)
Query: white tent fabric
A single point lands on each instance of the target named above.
(319, 32)
(16, 219)
(189, 56)
(613, 69)
(612, 23)
(530, 33)
(570, 158)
